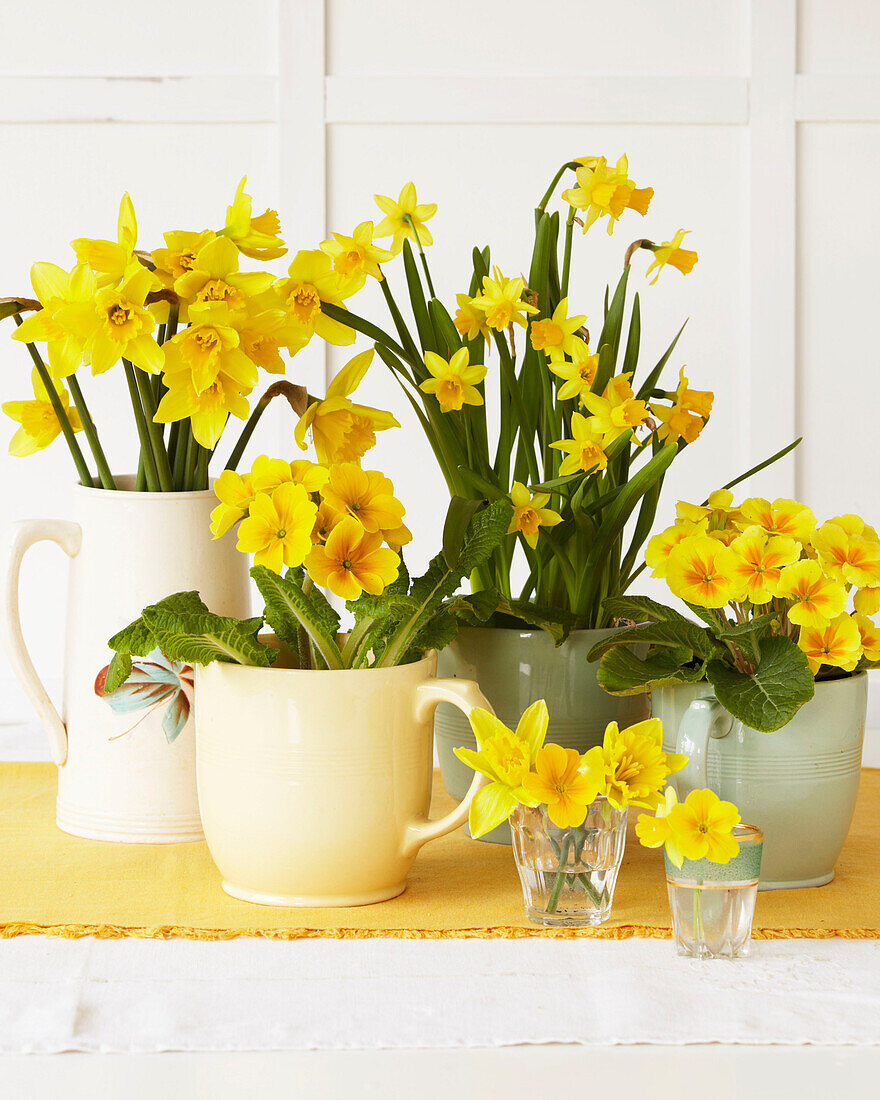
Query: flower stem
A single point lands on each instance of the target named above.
(553, 900)
(91, 434)
(202, 468)
(189, 470)
(566, 259)
(154, 431)
(151, 473)
(412, 226)
(246, 432)
(69, 437)
(549, 192)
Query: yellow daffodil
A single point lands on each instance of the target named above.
(365, 495)
(257, 237)
(405, 218)
(505, 757)
(55, 289)
(655, 831)
(179, 254)
(836, 642)
(605, 193)
(209, 348)
(500, 301)
(867, 600)
(782, 517)
(357, 254)
(530, 513)
(38, 420)
(214, 276)
(699, 570)
(311, 282)
(261, 332)
(702, 826)
(616, 410)
(115, 325)
(870, 637)
(341, 430)
(635, 765)
(208, 410)
(278, 528)
(235, 493)
(584, 451)
(816, 598)
(849, 559)
(470, 320)
(352, 561)
(578, 375)
(564, 784)
(671, 252)
(556, 335)
(111, 260)
(759, 560)
(661, 546)
(453, 381)
(687, 416)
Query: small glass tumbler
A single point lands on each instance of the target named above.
(568, 875)
(713, 903)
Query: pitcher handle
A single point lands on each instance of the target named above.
(464, 694)
(703, 719)
(23, 535)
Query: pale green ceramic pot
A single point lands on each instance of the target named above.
(513, 669)
(798, 784)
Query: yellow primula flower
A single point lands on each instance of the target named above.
(655, 831)
(660, 546)
(341, 430)
(702, 826)
(505, 757)
(214, 276)
(325, 520)
(398, 537)
(578, 375)
(635, 765)
(278, 528)
(352, 561)
(782, 517)
(700, 569)
(470, 320)
(500, 301)
(405, 218)
(837, 643)
(258, 238)
(365, 495)
(759, 560)
(605, 193)
(687, 416)
(816, 597)
(209, 348)
(616, 410)
(870, 637)
(179, 254)
(38, 419)
(357, 255)
(849, 559)
(115, 325)
(311, 282)
(867, 600)
(207, 410)
(718, 511)
(111, 260)
(584, 451)
(671, 252)
(268, 473)
(235, 493)
(530, 513)
(556, 335)
(55, 289)
(453, 381)
(564, 784)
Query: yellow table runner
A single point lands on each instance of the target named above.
(54, 883)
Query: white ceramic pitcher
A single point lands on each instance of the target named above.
(126, 761)
(314, 786)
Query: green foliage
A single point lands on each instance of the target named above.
(289, 608)
(623, 673)
(770, 696)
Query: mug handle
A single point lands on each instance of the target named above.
(23, 535)
(703, 719)
(464, 694)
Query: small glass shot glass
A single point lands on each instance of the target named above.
(713, 903)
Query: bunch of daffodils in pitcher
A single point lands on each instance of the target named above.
(584, 437)
(785, 601)
(332, 525)
(185, 331)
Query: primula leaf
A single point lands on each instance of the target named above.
(118, 671)
(640, 609)
(199, 637)
(288, 608)
(476, 608)
(554, 620)
(738, 630)
(621, 672)
(681, 634)
(772, 694)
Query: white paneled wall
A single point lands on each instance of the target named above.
(757, 123)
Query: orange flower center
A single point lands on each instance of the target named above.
(304, 302)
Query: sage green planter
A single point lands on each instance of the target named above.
(513, 669)
(798, 784)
